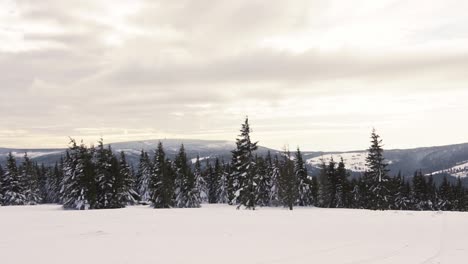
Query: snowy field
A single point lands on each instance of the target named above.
(220, 234)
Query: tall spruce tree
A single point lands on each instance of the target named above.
(106, 177)
(288, 191)
(144, 176)
(303, 182)
(12, 189)
(223, 185)
(200, 183)
(377, 175)
(245, 172)
(79, 186)
(127, 194)
(162, 180)
(187, 195)
(274, 194)
(29, 181)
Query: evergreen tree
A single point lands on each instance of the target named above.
(187, 195)
(79, 186)
(340, 185)
(303, 184)
(445, 196)
(29, 181)
(264, 181)
(325, 186)
(106, 178)
(162, 180)
(274, 195)
(12, 188)
(144, 176)
(245, 172)
(200, 183)
(376, 175)
(126, 193)
(288, 191)
(222, 194)
(314, 191)
(419, 192)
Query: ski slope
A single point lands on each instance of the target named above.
(220, 234)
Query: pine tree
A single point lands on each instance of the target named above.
(245, 173)
(325, 186)
(402, 195)
(340, 185)
(274, 195)
(419, 192)
(29, 181)
(106, 178)
(212, 178)
(263, 177)
(187, 195)
(79, 186)
(11, 185)
(144, 176)
(445, 196)
(314, 191)
(200, 183)
(303, 184)
(127, 195)
(223, 185)
(162, 180)
(376, 175)
(52, 185)
(288, 191)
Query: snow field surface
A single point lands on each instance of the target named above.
(221, 234)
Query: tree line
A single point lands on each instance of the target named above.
(96, 178)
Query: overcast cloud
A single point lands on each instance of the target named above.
(318, 74)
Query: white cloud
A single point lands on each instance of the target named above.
(142, 69)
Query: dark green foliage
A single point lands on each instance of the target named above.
(162, 183)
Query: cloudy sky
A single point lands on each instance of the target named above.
(318, 73)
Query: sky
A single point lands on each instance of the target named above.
(319, 74)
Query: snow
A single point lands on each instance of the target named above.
(201, 158)
(33, 154)
(460, 170)
(221, 234)
(354, 161)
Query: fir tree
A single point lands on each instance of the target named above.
(79, 187)
(247, 180)
(144, 176)
(11, 185)
(274, 195)
(106, 178)
(223, 185)
(445, 196)
(29, 181)
(200, 183)
(126, 193)
(303, 184)
(187, 195)
(162, 180)
(376, 175)
(340, 185)
(288, 191)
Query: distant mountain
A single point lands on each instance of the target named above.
(451, 160)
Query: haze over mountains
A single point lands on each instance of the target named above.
(450, 160)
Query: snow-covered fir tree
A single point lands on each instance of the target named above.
(127, 195)
(376, 175)
(187, 195)
(274, 171)
(223, 185)
(143, 177)
(79, 186)
(212, 175)
(12, 189)
(200, 183)
(264, 180)
(245, 169)
(340, 185)
(288, 191)
(303, 182)
(29, 181)
(162, 180)
(106, 178)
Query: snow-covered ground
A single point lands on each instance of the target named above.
(355, 161)
(220, 234)
(460, 170)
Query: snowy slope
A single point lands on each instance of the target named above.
(354, 161)
(460, 170)
(217, 234)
